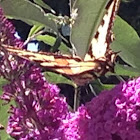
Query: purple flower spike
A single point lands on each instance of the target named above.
(40, 110)
(113, 115)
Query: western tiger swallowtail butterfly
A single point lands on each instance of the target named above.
(98, 60)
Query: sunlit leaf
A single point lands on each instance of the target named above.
(35, 29)
(57, 78)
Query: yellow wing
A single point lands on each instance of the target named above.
(63, 64)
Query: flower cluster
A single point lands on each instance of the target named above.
(40, 109)
(113, 115)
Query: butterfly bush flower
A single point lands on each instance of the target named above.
(40, 110)
(113, 115)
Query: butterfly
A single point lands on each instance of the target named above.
(98, 60)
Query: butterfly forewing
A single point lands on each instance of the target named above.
(63, 64)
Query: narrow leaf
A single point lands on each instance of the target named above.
(35, 29)
(51, 41)
(46, 39)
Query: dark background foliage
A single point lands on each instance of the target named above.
(130, 12)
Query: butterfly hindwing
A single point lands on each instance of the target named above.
(100, 43)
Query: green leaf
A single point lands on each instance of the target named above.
(58, 78)
(107, 86)
(90, 14)
(99, 87)
(127, 42)
(3, 113)
(47, 39)
(126, 70)
(3, 120)
(27, 12)
(64, 49)
(35, 29)
(44, 5)
(56, 44)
